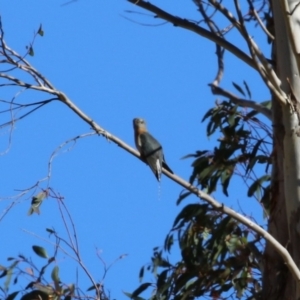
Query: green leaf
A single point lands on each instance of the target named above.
(190, 211)
(140, 289)
(253, 156)
(141, 274)
(31, 52)
(213, 182)
(129, 295)
(225, 178)
(12, 296)
(182, 196)
(9, 272)
(267, 104)
(256, 186)
(51, 231)
(251, 114)
(233, 243)
(207, 171)
(3, 274)
(247, 89)
(55, 274)
(46, 289)
(239, 88)
(231, 120)
(70, 289)
(10, 258)
(8, 279)
(41, 31)
(37, 295)
(40, 251)
(213, 124)
(169, 241)
(161, 280)
(93, 287)
(208, 113)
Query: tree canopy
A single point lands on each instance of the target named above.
(216, 247)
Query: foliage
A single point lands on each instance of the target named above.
(218, 255)
(44, 281)
(245, 142)
(21, 266)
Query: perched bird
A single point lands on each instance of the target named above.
(150, 149)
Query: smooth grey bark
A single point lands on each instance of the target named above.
(285, 193)
(275, 274)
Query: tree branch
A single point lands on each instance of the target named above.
(260, 22)
(219, 50)
(183, 23)
(242, 102)
(242, 219)
(261, 64)
(291, 18)
(263, 67)
(215, 204)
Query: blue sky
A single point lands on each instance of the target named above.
(114, 70)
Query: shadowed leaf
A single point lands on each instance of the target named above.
(41, 31)
(12, 296)
(140, 289)
(40, 251)
(239, 88)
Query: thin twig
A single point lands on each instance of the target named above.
(75, 248)
(261, 23)
(192, 26)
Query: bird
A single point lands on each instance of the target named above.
(150, 149)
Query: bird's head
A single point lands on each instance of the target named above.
(139, 124)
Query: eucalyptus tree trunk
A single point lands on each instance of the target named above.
(285, 196)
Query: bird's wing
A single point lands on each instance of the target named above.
(155, 164)
(149, 145)
(151, 150)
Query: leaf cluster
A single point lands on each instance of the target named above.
(217, 255)
(244, 143)
(38, 287)
(44, 281)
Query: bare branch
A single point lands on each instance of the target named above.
(264, 68)
(260, 22)
(75, 247)
(242, 102)
(26, 85)
(183, 23)
(261, 64)
(61, 146)
(219, 50)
